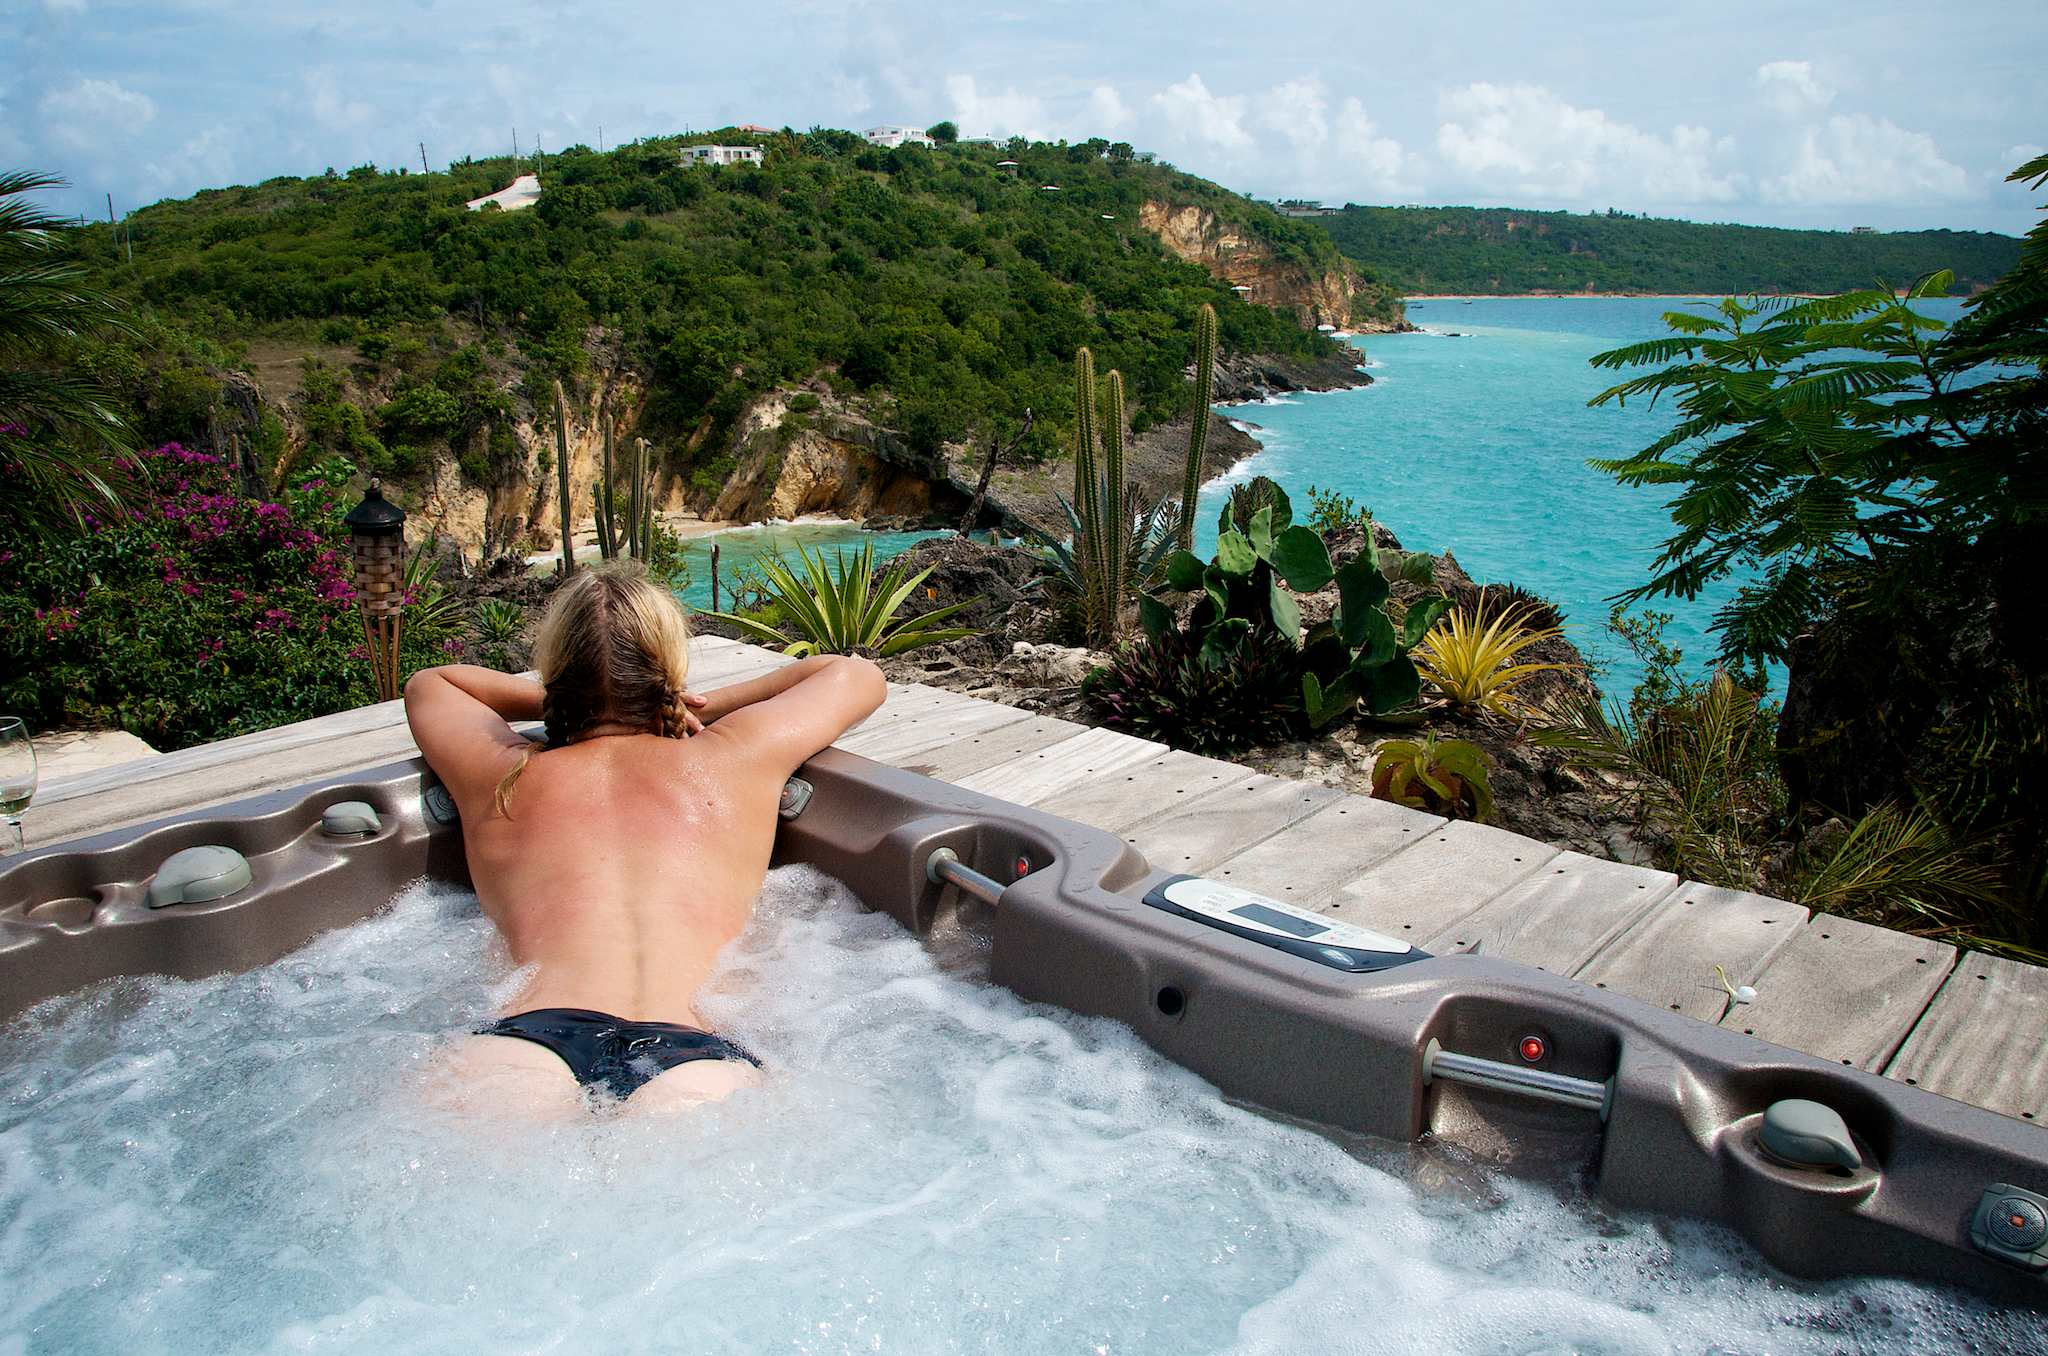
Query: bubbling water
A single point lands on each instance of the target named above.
(251, 1163)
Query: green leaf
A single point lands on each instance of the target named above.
(1283, 511)
(1286, 613)
(1184, 571)
(1392, 685)
(1410, 567)
(1234, 554)
(1219, 647)
(1377, 645)
(1301, 559)
(1260, 533)
(1155, 616)
(1422, 614)
(1213, 584)
(1324, 704)
(1360, 591)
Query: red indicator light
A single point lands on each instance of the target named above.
(1533, 1049)
(2016, 1221)
(1023, 867)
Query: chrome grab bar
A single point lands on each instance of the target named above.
(1540, 1084)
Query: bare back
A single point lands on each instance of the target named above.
(621, 863)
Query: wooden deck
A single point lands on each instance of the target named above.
(1969, 1026)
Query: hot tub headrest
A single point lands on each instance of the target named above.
(198, 874)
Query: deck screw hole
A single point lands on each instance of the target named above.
(1919, 960)
(1674, 1007)
(1749, 1031)
(2026, 1115)
(1912, 1082)
(1600, 984)
(1846, 1061)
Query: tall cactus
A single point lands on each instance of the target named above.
(643, 476)
(1084, 429)
(1198, 427)
(562, 478)
(604, 503)
(1113, 526)
(635, 498)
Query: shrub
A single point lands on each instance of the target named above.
(199, 615)
(1470, 659)
(1330, 512)
(1445, 777)
(1164, 688)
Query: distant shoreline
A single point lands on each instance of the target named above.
(1593, 296)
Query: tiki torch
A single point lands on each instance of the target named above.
(376, 528)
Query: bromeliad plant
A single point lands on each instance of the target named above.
(1163, 688)
(1470, 657)
(1445, 777)
(844, 609)
(1360, 656)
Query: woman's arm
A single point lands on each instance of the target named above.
(458, 715)
(812, 704)
(723, 701)
(509, 695)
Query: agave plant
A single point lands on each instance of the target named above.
(1469, 658)
(1445, 777)
(843, 608)
(497, 621)
(429, 608)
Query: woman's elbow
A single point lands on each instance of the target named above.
(865, 676)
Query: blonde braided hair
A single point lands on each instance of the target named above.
(613, 648)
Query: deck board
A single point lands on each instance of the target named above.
(1043, 776)
(1560, 917)
(1311, 859)
(1980, 1041)
(1432, 883)
(987, 748)
(1121, 798)
(1668, 956)
(1214, 827)
(1844, 991)
(913, 730)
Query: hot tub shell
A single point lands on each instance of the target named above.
(1684, 1100)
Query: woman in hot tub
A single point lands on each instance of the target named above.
(618, 858)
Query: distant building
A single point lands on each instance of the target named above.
(1863, 230)
(755, 129)
(1295, 207)
(984, 141)
(890, 135)
(722, 155)
(1007, 166)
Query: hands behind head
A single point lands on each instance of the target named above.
(691, 701)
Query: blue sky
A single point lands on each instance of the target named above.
(1838, 114)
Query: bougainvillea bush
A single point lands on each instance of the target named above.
(195, 614)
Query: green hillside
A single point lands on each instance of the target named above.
(1502, 250)
(949, 290)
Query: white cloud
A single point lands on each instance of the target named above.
(1358, 141)
(1192, 112)
(1107, 109)
(1011, 112)
(206, 158)
(64, 6)
(2015, 156)
(86, 116)
(333, 109)
(1294, 109)
(1522, 140)
(1855, 158)
(1792, 88)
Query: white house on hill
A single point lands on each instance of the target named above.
(890, 134)
(722, 155)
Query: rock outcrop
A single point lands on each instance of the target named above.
(1316, 296)
(829, 459)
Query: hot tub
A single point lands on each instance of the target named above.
(1493, 1067)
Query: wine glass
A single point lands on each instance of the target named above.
(17, 774)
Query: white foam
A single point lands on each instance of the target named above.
(247, 1164)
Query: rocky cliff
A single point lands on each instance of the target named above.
(1317, 296)
(826, 457)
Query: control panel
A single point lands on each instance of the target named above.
(2011, 1224)
(1284, 927)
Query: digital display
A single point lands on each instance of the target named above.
(1286, 922)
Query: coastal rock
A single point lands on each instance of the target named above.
(832, 460)
(1196, 234)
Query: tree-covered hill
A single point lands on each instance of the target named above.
(1502, 250)
(948, 290)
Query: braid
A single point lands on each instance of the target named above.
(673, 724)
(560, 727)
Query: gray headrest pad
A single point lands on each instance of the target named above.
(198, 874)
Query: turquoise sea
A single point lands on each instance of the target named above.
(740, 547)
(1478, 444)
